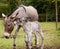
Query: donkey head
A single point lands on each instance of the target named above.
(8, 26)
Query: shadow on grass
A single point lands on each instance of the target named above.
(34, 47)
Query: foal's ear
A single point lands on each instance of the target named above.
(4, 16)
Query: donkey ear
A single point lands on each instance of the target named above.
(4, 16)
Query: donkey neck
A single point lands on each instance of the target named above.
(16, 12)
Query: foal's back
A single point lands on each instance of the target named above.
(31, 26)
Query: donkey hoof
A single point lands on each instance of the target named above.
(14, 44)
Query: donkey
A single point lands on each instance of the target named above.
(15, 17)
(21, 11)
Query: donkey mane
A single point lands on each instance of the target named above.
(12, 11)
(16, 9)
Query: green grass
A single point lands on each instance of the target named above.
(52, 37)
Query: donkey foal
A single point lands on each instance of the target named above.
(32, 28)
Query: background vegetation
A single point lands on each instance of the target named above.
(46, 8)
(47, 12)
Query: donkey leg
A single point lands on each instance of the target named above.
(28, 41)
(14, 37)
(36, 40)
(42, 36)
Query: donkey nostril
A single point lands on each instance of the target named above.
(6, 37)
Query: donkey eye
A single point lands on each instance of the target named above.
(11, 17)
(8, 25)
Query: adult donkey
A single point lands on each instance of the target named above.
(29, 13)
(21, 11)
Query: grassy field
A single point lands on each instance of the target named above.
(52, 37)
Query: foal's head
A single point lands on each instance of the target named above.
(8, 26)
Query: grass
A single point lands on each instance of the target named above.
(52, 37)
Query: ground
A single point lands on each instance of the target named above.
(52, 37)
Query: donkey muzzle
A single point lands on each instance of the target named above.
(6, 35)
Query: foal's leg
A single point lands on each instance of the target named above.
(36, 39)
(28, 37)
(14, 37)
(42, 36)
